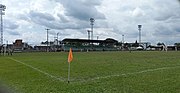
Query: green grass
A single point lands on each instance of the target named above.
(118, 72)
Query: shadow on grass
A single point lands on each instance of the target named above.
(4, 88)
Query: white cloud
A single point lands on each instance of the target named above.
(28, 19)
(138, 12)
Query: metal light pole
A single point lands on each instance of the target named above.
(47, 49)
(139, 28)
(2, 8)
(92, 23)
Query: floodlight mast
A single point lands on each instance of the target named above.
(2, 8)
(139, 28)
(92, 23)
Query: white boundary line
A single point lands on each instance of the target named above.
(133, 73)
(96, 78)
(45, 73)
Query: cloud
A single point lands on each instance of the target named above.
(63, 18)
(82, 9)
(49, 21)
(138, 12)
(39, 15)
(162, 31)
(157, 17)
(160, 19)
(9, 24)
(178, 1)
(13, 32)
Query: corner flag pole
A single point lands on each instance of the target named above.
(69, 72)
(70, 58)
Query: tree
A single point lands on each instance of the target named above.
(159, 44)
(136, 44)
(176, 44)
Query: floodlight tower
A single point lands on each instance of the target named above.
(139, 28)
(47, 39)
(2, 8)
(92, 23)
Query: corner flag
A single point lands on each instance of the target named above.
(70, 56)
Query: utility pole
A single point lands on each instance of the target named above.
(88, 34)
(122, 42)
(123, 39)
(57, 38)
(57, 41)
(97, 37)
(47, 49)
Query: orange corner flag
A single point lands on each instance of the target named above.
(70, 56)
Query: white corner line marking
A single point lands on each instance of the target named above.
(43, 72)
(133, 73)
(96, 78)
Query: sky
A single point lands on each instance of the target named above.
(28, 19)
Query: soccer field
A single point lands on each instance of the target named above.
(92, 72)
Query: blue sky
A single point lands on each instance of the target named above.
(27, 19)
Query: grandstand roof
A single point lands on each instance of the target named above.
(108, 40)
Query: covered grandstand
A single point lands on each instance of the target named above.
(90, 45)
